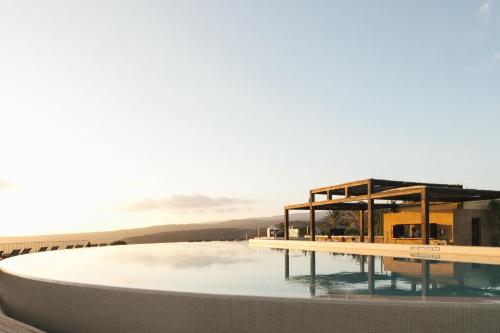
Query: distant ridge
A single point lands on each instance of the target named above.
(242, 225)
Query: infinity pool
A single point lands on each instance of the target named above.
(235, 268)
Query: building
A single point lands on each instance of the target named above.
(456, 224)
(272, 231)
(413, 212)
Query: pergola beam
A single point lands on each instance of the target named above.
(323, 190)
(388, 184)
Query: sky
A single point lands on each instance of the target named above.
(124, 114)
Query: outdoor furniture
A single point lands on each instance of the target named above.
(26, 250)
(43, 249)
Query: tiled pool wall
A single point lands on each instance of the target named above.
(62, 307)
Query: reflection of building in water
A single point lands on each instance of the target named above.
(312, 271)
(463, 275)
(413, 267)
(400, 277)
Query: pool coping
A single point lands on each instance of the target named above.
(469, 254)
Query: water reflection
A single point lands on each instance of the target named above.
(426, 279)
(194, 256)
(400, 277)
(312, 269)
(287, 264)
(237, 269)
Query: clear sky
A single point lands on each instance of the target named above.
(121, 114)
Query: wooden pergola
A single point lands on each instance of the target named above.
(367, 194)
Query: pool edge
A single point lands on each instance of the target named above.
(57, 307)
(475, 254)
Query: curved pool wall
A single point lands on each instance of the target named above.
(178, 288)
(60, 307)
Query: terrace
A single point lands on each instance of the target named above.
(368, 195)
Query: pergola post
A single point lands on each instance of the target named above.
(286, 222)
(424, 228)
(312, 222)
(361, 226)
(371, 228)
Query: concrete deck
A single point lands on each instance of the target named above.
(9, 325)
(475, 254)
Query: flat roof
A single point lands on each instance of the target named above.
(355, 194)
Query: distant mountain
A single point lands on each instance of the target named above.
(195, 235)
(178, 231)
(109, 236)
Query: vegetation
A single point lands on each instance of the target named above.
(494, 207)
(342, 219)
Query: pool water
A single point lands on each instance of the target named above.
(235, 268)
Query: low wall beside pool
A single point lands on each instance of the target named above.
(228, 287)
(60, 307)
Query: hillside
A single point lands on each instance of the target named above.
(171, 232)
(177, 229)
(194, 235)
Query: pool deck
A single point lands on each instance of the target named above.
(476, 254)
(9, 325)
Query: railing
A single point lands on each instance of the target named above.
(12, 249)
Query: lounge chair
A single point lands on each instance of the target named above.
(43, 249)
(53, 248)
(14, 252)
(26, 250)
(79, 246)
(68, 247)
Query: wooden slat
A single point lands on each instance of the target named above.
(340, 186)
(303, 206)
